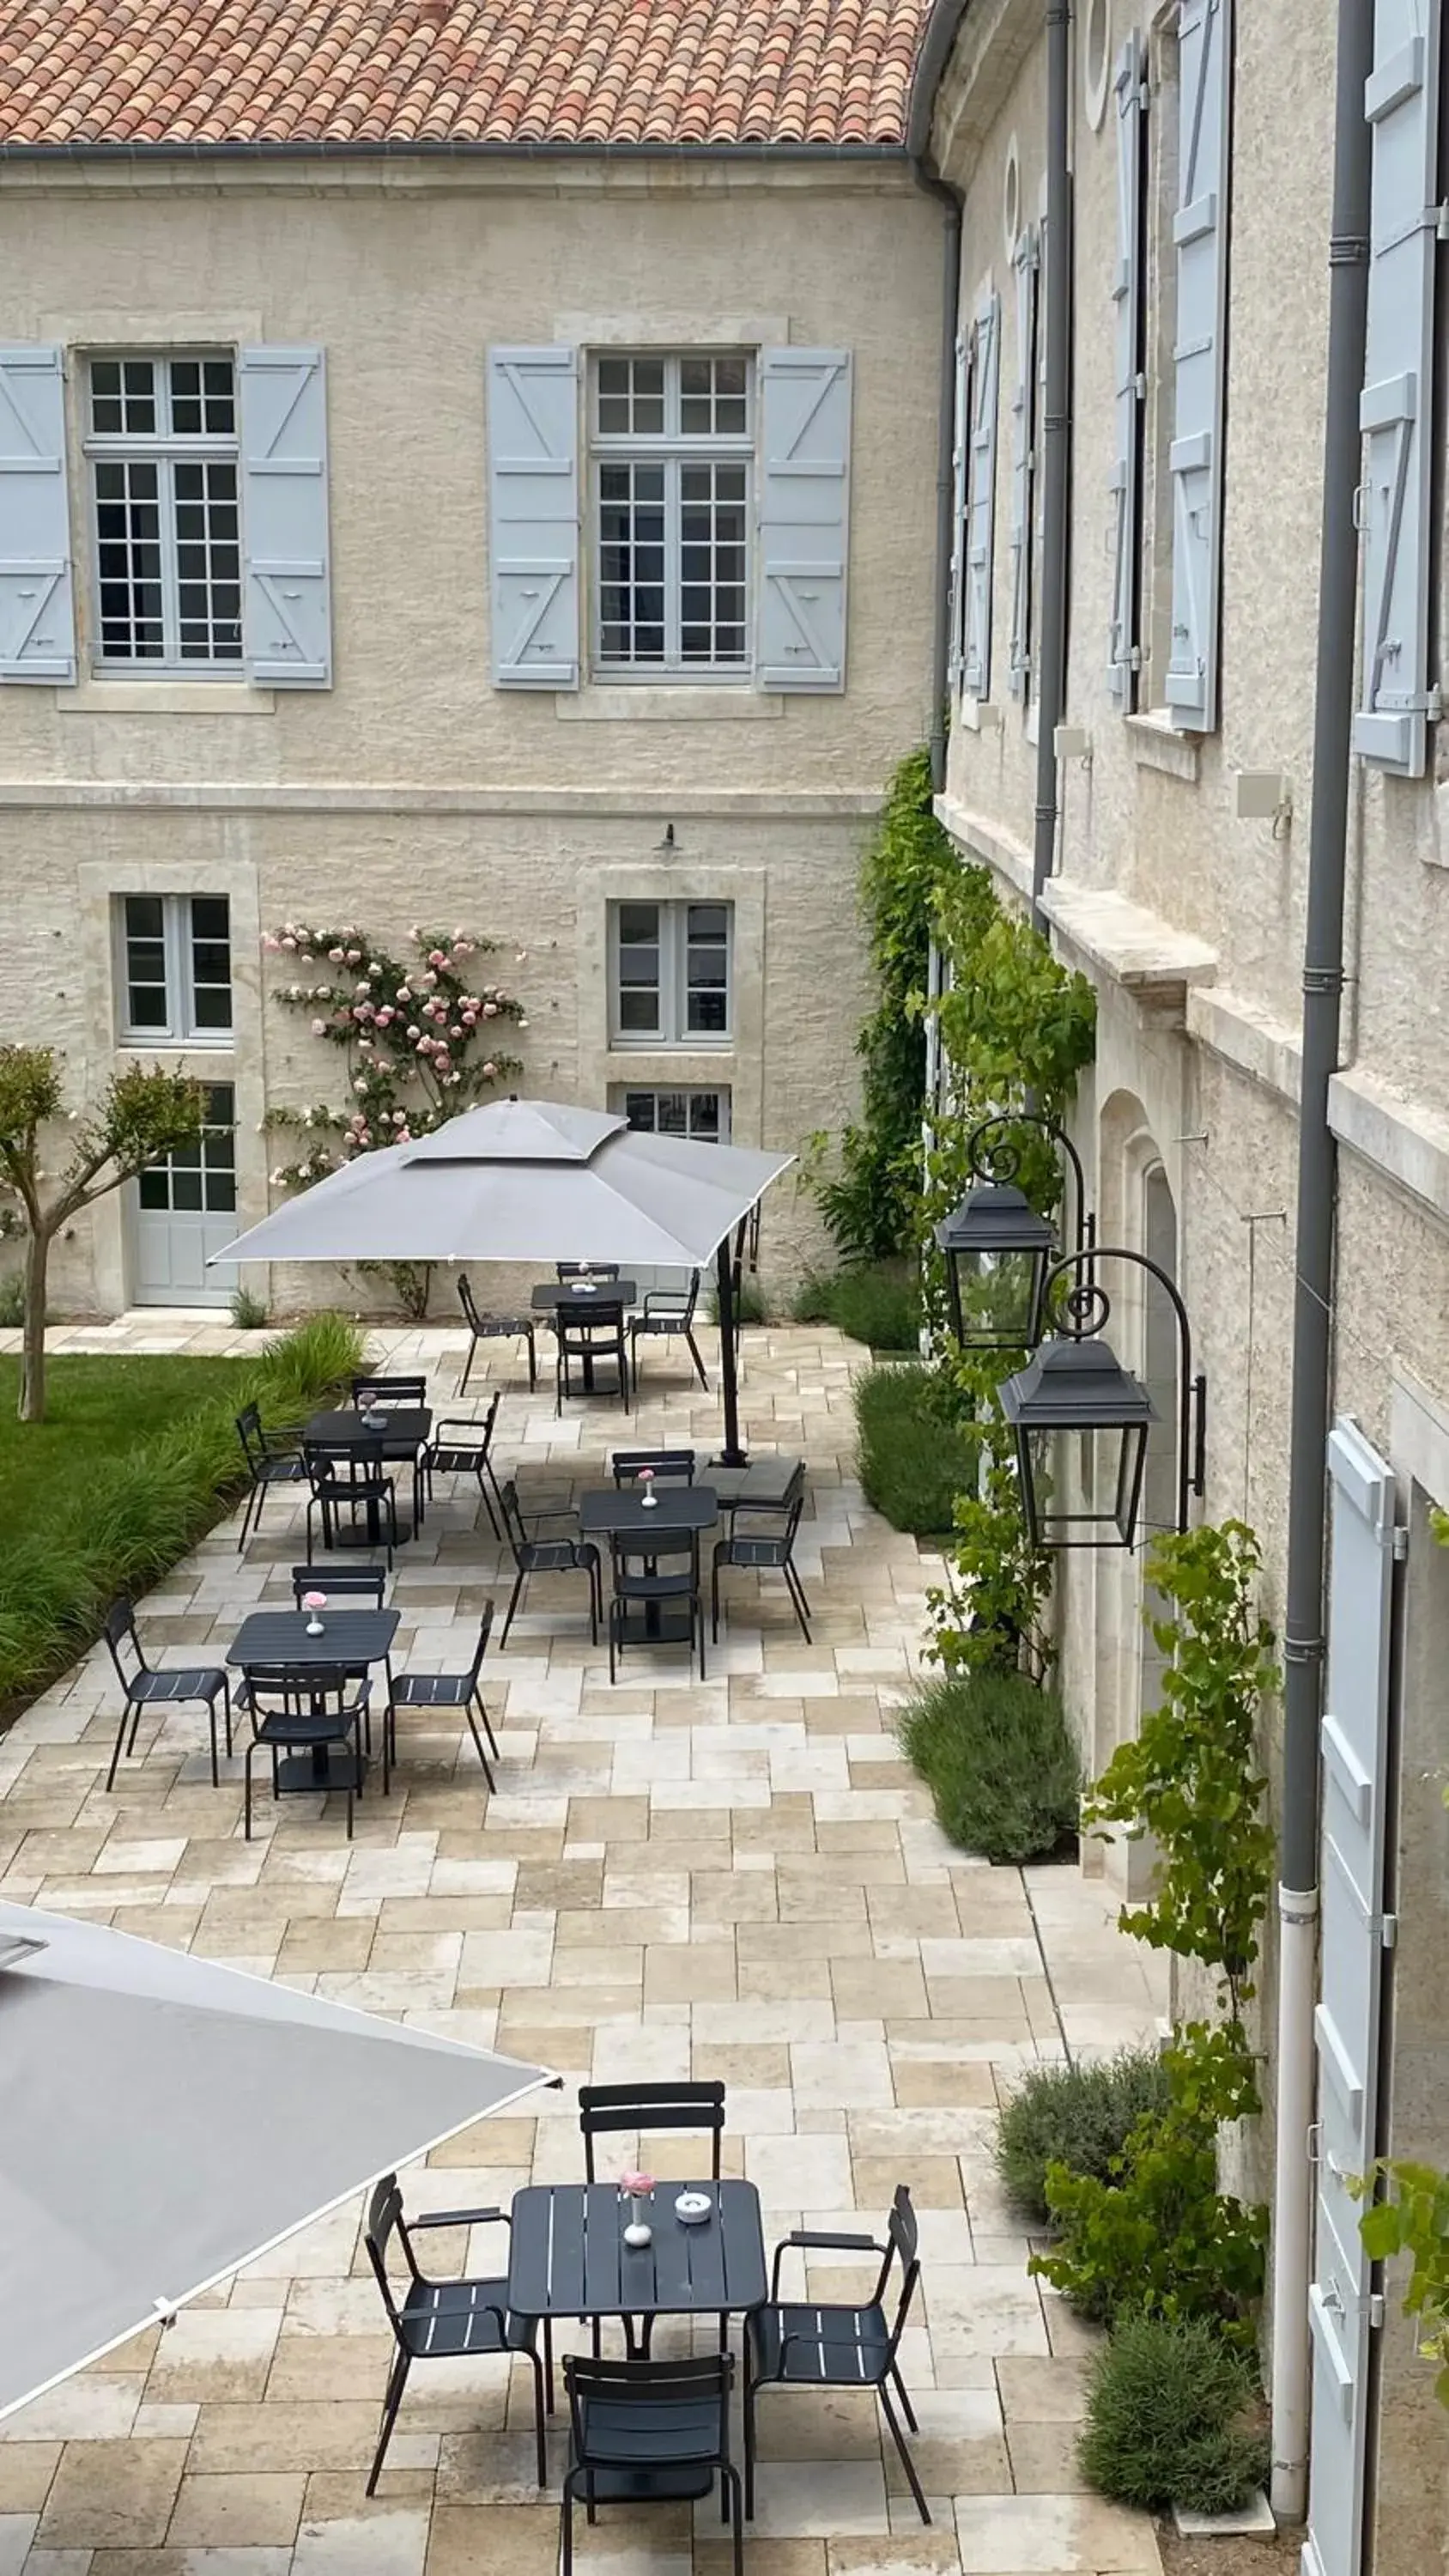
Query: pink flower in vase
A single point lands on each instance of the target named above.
(646, 1479)
(314, 1603)
(636, 2186)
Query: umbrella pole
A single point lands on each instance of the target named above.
(731, 1455)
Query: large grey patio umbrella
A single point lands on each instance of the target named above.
(534, 1180)
(164, 2120)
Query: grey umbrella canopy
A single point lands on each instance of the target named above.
(164, 2120)
(533, 1180)
(523, 1180)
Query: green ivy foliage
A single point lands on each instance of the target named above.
(870, 1199)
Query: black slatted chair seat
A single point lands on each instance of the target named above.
(431, 1690)
(757, 1552)
(454, 1462)
(290, 1469)
(443, 2320)
(655, 1587)
(193, 1681)
(305, 1728)
(634, 2437)
(823, 2346)
(551, 1555)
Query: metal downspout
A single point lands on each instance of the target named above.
(1348, 261)
(935, 54)
(1056, 447)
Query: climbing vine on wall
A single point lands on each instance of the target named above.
(420, 1039)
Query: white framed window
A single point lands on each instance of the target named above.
(691, 1110)
(198, 1179)
(163, 465)
(174, 968)
(671, 974)
(672, 447)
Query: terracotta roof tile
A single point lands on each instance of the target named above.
(585, 72)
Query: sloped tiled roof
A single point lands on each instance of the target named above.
(400, 72)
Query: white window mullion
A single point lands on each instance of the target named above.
(673, 561)
(179, 1015)
(170, 584)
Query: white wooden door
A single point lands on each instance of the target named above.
(1356, 1935)
(184, 1210)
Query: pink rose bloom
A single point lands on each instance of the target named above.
(288, 943)
(437, 957)
(458, 936)
(271, 943)
(413, 1029)
(314, 1600)
(490, 1010)
(354, 956)
(470, 1020)
(637, 2185)
(456, 1030)
(319, 1028)
(489, 1071)
(359, 1085)
(336, 956)
(399, 1118)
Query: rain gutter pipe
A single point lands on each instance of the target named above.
(1348, 261)
(1056, 449)
(935, 53)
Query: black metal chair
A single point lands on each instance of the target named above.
(666, 1466)
(651, 1575)
(585, 1270)
(272, 1458)
(494, 1328)
(384, 1390)
(344, 1481)
(451, 1690)
(668, 1315)
(533, 1554)
(607, 2110)
(763, 1552)
(442, 2320)
(309, 1712)
(584, 1340)
(146, 1685)
(808, 2346)
(364, 1583)
(459, 1447)
(649, 2432)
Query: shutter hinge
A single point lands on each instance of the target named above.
(1400, 1543)
(1441, 221)
(1134, 658)
(1434, 705)
(1387, 1928)
(1376, 2308)
(1139, 388)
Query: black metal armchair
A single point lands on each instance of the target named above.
(494, 1328)
(442, 2320)
(460, 1447)
(763, 1552)
(311, 1719)
(452, 1690)
(534, 1554)
(272, 1458)
(808, 2346)
(668, 1315)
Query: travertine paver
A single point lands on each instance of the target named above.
(739, 1878)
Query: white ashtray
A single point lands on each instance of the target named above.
(692, 2208)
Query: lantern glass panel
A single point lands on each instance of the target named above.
(998, 1298)
(1085, 1492)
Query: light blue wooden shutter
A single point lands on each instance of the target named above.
(286, 576)
(37, 604)
(959, 453)
(802, 518)
(1200, 231)
(533, 462)
(1396, 414)
(1123, 655)
(981, 501)
(1023, 459)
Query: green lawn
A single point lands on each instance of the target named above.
(96, 1408)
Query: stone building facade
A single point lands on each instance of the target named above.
(1199, 285)
(449, 388)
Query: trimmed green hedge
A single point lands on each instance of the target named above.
(912, 1464)
(119, 1522)
(1173, 2418)
(1079, 2116)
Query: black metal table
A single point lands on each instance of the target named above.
(351, 1642)
(680, 1511)
(569, 2259)
(760, 1487)
(398, 1438)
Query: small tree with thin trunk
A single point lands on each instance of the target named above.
(143, 1115)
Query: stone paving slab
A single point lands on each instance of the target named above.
(736, 1877)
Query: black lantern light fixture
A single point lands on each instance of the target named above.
(997, 1249)
(1076, 1384)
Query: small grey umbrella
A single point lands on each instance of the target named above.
(163, 2121)
(533, 1180)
